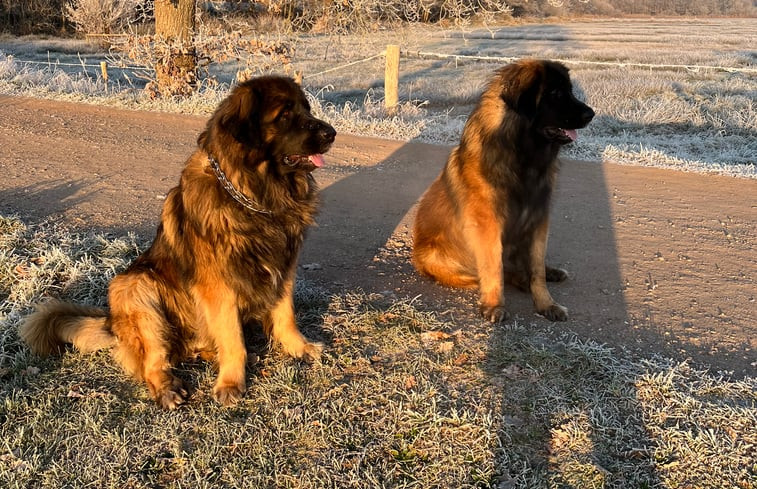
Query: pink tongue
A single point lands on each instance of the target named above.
(571, 133)
(317, 160)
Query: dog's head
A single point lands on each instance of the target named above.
(541, 92)
(270, 116)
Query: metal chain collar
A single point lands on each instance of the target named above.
(249, 204)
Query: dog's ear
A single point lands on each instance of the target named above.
(522, 86)
(240, 113)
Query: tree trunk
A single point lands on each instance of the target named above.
(174, 31)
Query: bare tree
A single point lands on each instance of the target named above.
(176, 69)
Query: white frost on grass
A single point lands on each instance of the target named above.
(408, 121)
(20, 78)
(689, 120)
(685, 152)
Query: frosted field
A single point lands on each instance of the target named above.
(673, 93)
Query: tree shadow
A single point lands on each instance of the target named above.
(80, 205)
(40, 200)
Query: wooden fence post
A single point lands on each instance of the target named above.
(104, 71)
(392, 76)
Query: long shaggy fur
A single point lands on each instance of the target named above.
(485, 218)
(214, 264)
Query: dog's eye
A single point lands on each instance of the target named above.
(557, 93)
(285, 113)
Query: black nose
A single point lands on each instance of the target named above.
(587, 115)
(326, 133)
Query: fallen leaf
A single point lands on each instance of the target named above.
(430, 336)
(461, 359)
(559, 439)
(387, 316)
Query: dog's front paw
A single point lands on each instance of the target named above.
(170, 400)
(172, 397)
(556, 274)
(299, 347)
(494, 314)
(555, 312)
(311, 352)
(228, 395)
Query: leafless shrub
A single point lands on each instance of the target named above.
(254, 55)
(102, 16)
(367, 15)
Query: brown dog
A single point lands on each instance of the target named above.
(485, 219)
(225, 252)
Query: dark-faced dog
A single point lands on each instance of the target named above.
(224, 255)
(485, 219)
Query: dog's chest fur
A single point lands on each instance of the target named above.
(202, 228)
(522, 179)
(261, 249)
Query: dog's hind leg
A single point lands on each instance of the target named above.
(144, 343)
(434, 262)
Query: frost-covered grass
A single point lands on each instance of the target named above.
(689, 119)
(402, 398)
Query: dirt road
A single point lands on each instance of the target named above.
(661, 262)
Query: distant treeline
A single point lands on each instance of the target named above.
(32, 16)
(48, 16)
(633, 7)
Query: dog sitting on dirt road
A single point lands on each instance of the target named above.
(485, 219)
(225, 252)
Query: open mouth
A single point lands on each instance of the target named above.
(560, 135)
(308, 162)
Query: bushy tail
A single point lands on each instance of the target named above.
(55, 324)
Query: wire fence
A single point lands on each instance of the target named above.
(104, 66)
(617, 64)
(52, 64)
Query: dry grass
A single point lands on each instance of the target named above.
(402, 398)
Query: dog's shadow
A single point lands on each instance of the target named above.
(362, 210)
